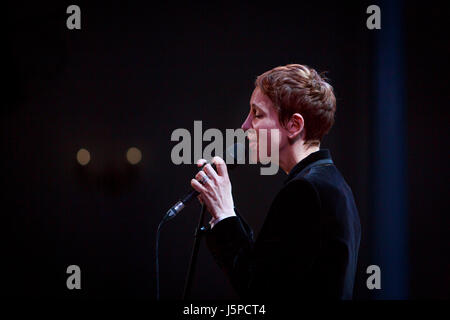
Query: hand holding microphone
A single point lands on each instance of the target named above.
(214, 188)
(216, 194)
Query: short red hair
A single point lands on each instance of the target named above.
(296, 88)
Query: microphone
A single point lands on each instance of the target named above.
(235, 152)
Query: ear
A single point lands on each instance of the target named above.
(295, 126)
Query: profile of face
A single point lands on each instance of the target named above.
(264, 128)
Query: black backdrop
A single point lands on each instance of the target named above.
(132, 75)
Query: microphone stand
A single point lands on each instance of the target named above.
(199, 232)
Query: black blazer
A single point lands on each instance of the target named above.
(308, 245)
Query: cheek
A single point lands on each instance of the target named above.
(268, 137)
(265, 123)
(274, 140)
(269, 125)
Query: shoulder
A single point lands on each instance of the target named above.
(299, 194)
(299, 186)
(295, 211)
(325, 180)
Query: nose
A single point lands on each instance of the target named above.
(247, 123)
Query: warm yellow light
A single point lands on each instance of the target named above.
(83, 157)
(134, 155)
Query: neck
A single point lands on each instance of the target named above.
(293, 155)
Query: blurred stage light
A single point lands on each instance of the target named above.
(134, 155)
(83, 157)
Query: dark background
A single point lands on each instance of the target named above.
(132, 75)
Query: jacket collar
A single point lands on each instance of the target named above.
(313, 157)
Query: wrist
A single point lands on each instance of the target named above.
(222, 215)
(225, 214)
(214, 221)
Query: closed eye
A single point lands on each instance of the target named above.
(256, 115)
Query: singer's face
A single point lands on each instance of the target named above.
(263, 115)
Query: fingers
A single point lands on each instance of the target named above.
(210, 172)
(201, 162)
(202, 177)
(220, 166)
(197, 186)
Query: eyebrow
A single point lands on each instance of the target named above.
(257, 107)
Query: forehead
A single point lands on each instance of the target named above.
(260, 99)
